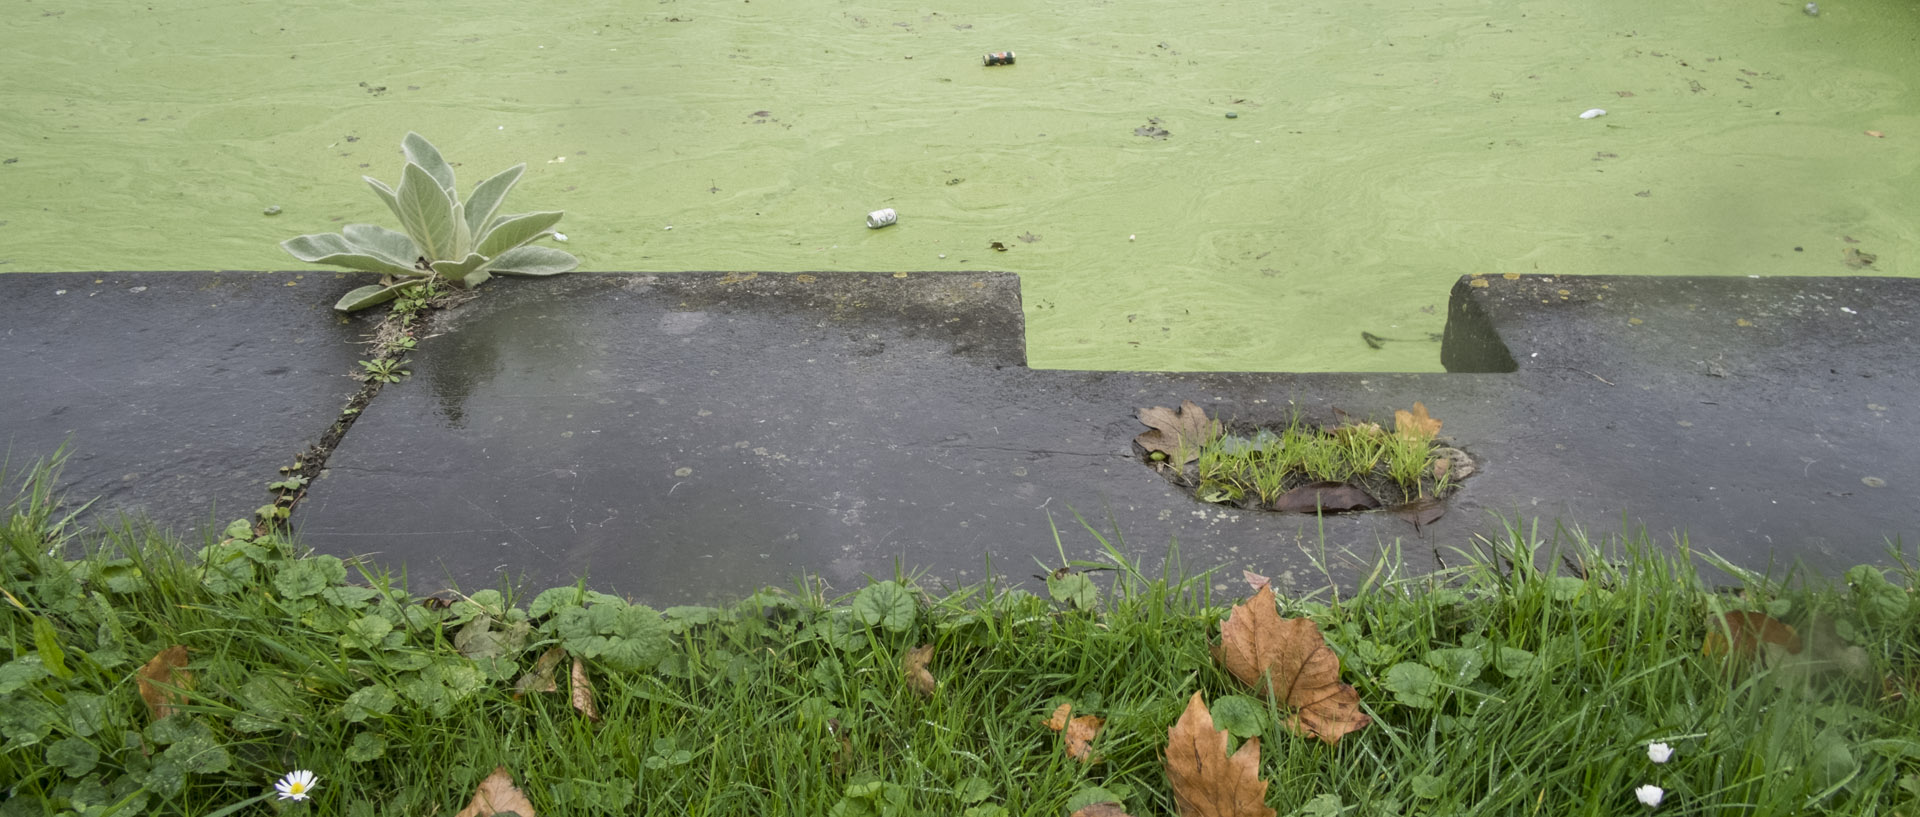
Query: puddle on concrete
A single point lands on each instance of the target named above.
(1375, 152)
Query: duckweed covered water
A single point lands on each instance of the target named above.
(1379, 150)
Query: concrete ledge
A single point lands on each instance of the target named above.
(676, 437)
(180, 392)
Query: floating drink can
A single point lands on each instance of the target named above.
(1000, 58)
(882, 218)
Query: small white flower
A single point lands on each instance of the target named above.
(296, 785)
(1659, 752)
(1649, 795)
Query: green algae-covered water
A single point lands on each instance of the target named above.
(1211, 185)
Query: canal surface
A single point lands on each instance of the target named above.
(1193, 186)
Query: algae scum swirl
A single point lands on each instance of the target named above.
(1235, 187)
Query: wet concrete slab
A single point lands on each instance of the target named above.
(677, 437)
(178, 393)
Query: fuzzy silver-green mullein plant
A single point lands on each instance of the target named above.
(462, 243)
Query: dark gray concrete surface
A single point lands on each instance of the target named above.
(680, 436)
(179, 392)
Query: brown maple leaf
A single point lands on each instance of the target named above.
(1749, 630)
(1289, 661)
(162, 680)
(914, 667)
(1177, 433)
(497, 794)
(583, 692)
(1079, 731)
(1207, 782)
(1415, 423)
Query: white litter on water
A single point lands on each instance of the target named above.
(1593, 113)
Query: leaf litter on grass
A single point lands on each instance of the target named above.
(914, 668)
(497, 795)
(1206, 781)
(1078, 731)
(162, 681)
(1289, 662)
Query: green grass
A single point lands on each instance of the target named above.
(1528, 678)
(1252, 466)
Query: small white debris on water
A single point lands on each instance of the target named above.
(1848, 311)
(669, 226)
(59, 292)
(1593, 113)
(559, 236)
(943, 255)
(1536, 354)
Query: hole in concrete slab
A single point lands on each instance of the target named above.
(1299, 466)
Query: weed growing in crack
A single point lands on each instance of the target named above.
(446, 240)
(384, 370)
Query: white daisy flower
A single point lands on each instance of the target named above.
(296, 785)
(1659, 752)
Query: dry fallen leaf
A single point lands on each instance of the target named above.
(915, 668)
(540, 678)
(1415, 423)
(1102, 810)
(1876, 134)
(497, 794)
(1749, 630)
(1422, 512)
(1255, 580)
(1080, 732)
(1206, 782)
(583, 692)
(1177, 433)
(1325, 497)
(1288, 661)
(162, 679)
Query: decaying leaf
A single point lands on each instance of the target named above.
(1254, 580)
(582, 690)
(1748, 631)
(1102, 810)
(497, 794)
(1876, 134)
(162, 679)
(1325, 497)
(914, 666)
(1415, 423)
(540, 678)
(1079, 731)
(1177, 433)
(1422, 512)
(1857, 259)
(1207, 782)
(1288, 661)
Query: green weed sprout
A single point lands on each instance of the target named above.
(462, 243)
